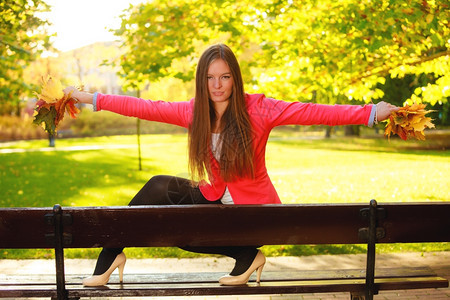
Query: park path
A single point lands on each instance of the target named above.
(70, 148)
(5, 150)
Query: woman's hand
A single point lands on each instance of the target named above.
(81, 96)
(384, 109)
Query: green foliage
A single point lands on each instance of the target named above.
(163, 37)
(347, 47)
(327, 51)
(22, 36)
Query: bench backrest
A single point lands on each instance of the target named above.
(217, 225)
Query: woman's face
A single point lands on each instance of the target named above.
(220, 81)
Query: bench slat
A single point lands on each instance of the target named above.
(219, 225)
(157, 278)
(205, 283)
(265, 287)
(416, 222)
(24, 227)
(192, 289)
(28, 291)
(205, 225)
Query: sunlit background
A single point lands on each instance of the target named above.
(79, 23)
(328, 52)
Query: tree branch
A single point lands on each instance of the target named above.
(385, 71)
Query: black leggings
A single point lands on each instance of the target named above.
(170, 190)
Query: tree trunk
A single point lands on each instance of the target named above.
(138, 132)
(328, 131)
(138, 129)
(18, 108)
(351, 130)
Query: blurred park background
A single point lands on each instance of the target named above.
(328, 51)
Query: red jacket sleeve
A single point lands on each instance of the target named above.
(176, 113)
(276, 113)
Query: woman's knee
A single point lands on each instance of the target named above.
(154, 192)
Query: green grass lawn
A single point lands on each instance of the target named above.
(303, 171)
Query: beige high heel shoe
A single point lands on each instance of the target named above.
(99, 280)
(257, 264)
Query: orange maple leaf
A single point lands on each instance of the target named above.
(409, 121)
(52, 98)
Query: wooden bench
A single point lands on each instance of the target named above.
(219, 225)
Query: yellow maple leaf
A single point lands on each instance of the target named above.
(409, 121)
(415, 118)
(422, 124)
(52, 90)
(415, 107)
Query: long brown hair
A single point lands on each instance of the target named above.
(236, 159)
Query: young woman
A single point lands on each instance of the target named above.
(228, 131)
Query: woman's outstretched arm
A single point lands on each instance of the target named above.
(384, 109)
(83, 97)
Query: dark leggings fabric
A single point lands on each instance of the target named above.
(170, 190)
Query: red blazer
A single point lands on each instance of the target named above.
(265, 114)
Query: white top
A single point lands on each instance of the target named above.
(216, 147)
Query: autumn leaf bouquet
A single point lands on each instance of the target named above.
(52, 104)
(409, 121)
